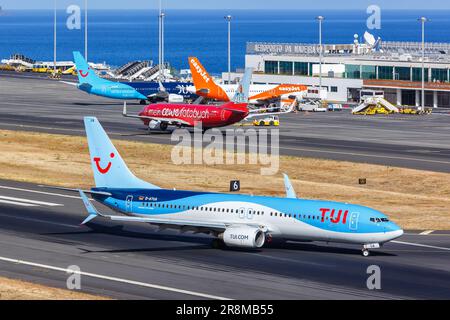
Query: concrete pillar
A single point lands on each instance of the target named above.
(418, 97)
(435, 99)
(399, 97)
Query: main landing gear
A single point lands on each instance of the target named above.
(365, 253)
(218, 244)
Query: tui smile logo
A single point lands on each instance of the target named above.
(99, 167)
(84, 74)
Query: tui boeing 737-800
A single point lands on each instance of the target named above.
(233, 220)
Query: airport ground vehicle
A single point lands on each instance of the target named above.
(335, 107)
(272, 121)
(233, 220)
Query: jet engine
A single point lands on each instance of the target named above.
(157, 125)
(243, 237)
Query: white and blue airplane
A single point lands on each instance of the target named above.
(233, 220)
(91, 83)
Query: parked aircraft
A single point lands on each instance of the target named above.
(205, 86)
(90, 82)
(159, 116)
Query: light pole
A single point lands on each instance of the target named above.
(54, 39)
(320, 19)
(86, 29)
(161, 41)
(163, 15)
(423, 20)
(229, 18)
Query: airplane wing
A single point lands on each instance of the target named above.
(169, 120)
(77, 190)
(255, 113)
(166, 223)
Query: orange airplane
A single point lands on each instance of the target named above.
(205, 86)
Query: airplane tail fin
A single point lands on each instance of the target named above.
(85, 74)
(242, 93)
(110, 171)
(203, 82)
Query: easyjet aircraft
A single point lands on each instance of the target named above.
(159, 116)
(205, 86)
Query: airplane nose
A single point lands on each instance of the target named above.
(395, 234)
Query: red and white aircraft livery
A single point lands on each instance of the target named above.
(205, 86)
(159, 116)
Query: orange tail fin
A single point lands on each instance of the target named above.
(204, 83)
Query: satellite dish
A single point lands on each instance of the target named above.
(370, 39)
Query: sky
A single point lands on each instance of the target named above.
(231, 4)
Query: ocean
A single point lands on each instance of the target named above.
(116, 37)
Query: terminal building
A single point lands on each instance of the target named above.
(347, 69)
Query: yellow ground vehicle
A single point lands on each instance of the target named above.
(40, 69)
(272, 121)
(72, 71)
(374, 109)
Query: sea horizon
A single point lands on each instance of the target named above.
(120, 36)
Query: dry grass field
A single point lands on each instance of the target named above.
(414, 199)
(21, 290)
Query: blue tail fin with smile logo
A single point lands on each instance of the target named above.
(85, 74)
(110, 171)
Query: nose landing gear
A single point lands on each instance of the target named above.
(366, 247)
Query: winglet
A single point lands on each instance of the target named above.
(93, 213)
(290, 192)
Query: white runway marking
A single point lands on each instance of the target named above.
(425, 233)
(40, 192)
(420, 245)
(49, 204)
(114, 279)
(21, 204)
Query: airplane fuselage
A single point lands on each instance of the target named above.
(189, 114)
(257, 93)
(135, 90)
(290, 219)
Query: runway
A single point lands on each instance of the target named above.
(40, 237)
(42, 105)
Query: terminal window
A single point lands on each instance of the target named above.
(369, 72)
(271, 67)
(417, 74)
(403, 73)
(353, 71)
(301, 68)
(385, 73)
(440, 75)
(286, 67)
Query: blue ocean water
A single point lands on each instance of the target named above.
(117, 37)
